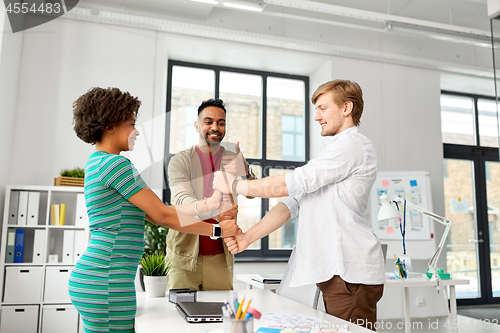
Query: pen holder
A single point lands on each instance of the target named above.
(400, 270)
(231, 325)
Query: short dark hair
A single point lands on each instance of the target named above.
(343, 91)
(100, 109)
(217, 102)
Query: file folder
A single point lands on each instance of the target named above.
(82, 219)
(11, 246)
(54, 214)
(23, 208)
(19, 247)
(68, 248)
(39, 246)
(13, 207)
(33, 205)
(79, 244)
(62, 214)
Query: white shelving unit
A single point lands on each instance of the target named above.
(34, 292)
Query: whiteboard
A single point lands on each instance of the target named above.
(414, 186)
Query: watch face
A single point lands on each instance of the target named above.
(217, 231)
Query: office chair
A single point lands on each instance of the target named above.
(308, 295)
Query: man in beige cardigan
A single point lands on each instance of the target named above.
(202, 262)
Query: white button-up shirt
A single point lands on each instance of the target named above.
(332, 193)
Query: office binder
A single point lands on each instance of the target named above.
(62, 214)
(68, 249)
(39, 246)
(23, 208)
(79, 244)
(11, 245)
(19, 247)
(81, 219)
(33, 205)
(13, 207)
(54, 214)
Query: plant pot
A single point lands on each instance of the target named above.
(156, 286)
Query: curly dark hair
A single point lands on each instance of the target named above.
(100, 109)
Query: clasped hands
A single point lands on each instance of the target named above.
(234, 167)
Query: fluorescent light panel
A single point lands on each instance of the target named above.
(254, 7)
(210, 2)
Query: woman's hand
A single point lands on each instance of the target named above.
(220, 183)
(229, 228)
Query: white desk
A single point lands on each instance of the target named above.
(247, 278)
(425, 282)
(159, 315)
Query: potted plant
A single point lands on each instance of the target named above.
(155, 270)
(73, 177)
(154, 240)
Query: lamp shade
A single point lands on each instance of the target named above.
(387, 211)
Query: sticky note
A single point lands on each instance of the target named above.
(413, 183)
(390, 230)
(268, 330)
(385, 183)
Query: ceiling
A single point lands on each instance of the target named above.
(448, 35)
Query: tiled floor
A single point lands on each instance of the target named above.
(441, 324)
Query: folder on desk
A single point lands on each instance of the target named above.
(79, 244)
(268, 278)
(68, 248)
(11, 246)
(39, 246)
(22, 208)
(33, 205)
(19, 246)
(13, 207)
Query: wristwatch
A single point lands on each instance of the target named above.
(249, 173)
(217, 232)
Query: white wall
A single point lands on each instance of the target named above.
(60, 60)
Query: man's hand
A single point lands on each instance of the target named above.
(227, 210)
(235, 165)
(214, 202)
(229, 228)
(220, 184)
(237, 243)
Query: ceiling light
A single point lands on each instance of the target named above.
(255, 6)
(209, 2)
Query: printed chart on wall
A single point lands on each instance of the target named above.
(413, 186)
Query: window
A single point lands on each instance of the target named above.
(267, 113)
(472, 176)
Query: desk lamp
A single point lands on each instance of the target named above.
(388, 211)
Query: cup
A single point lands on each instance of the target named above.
(231, 325)
(400, 270)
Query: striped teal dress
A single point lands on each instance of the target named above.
(101, 285)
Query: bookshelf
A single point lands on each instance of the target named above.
(36, 257)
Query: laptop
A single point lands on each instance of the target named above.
(201, 312)
(268, 278)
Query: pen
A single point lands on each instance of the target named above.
(239, 308)
(234, 301)
(246, 309)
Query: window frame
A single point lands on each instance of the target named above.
(478, 155)
(264, 253)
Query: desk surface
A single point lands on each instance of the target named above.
(159, 315)
(423, 282)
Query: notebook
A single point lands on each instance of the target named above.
(268, 278)
(201, 312)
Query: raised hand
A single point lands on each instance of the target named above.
(227, 210)
(229, 228)
(220, 184)
(237, 244)
(235, 165)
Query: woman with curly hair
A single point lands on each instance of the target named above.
(101, 285)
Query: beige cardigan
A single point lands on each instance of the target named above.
(185, 179)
